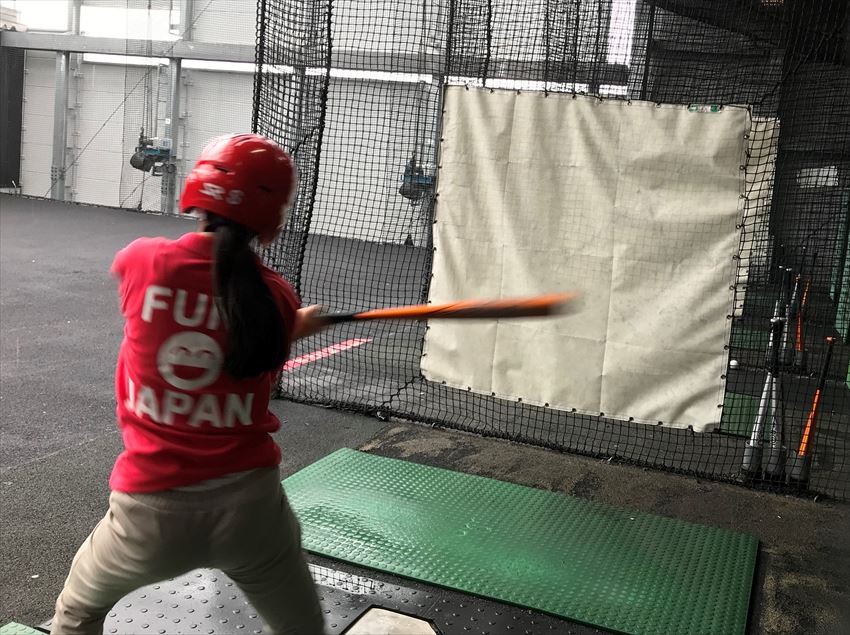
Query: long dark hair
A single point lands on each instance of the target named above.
(256, 333)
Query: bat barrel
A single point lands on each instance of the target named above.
(753, 450)
(799, 461)
(776, 450)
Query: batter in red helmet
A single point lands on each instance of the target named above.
(207, 327)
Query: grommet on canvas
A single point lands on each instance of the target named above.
(631, 418)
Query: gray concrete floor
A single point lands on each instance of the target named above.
(60, 331)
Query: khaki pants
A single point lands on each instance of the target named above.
(245, 528)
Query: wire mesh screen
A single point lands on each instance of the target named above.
(355, 89)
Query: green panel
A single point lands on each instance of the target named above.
(840, 279)
(616, 569)
(13, 628)
(739, 414)
(759, 299)
(749, 339)
(842, 316)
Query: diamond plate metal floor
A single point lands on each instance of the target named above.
(207, 601)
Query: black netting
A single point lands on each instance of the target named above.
(355, 90)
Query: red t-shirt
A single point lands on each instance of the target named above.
(182, 417)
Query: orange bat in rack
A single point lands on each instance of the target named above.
(534, 306)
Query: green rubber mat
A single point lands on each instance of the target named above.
(13, 628)
(615, 569)
(739, 414)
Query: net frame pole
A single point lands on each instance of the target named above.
(187, 14)
(260, 55)
(170, 176)
(644, 85)
(60, 124)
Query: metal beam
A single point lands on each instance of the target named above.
(170, 175)
(429, 63)
(179, 49)
(74, 9)
(187, 18)
(60, 112)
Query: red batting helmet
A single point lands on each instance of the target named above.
(246, 178)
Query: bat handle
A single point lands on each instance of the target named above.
(337, 318)
(776, 450)
(777, 328)
(824, 371)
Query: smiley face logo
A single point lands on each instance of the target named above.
(190, 360)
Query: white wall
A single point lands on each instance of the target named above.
(216, 103)
(368, 128)
(368, 139)
(101, 117)
(386, 25)
(37, 123)
(233, 22)
(367, 142)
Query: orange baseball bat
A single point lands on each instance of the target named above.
(799, 342)
(534, 306)
(811, 421)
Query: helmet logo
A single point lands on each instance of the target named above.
(213, 191)
(216, 192)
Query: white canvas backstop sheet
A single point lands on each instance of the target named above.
(632, 204)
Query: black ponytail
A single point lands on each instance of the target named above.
(256, 334)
